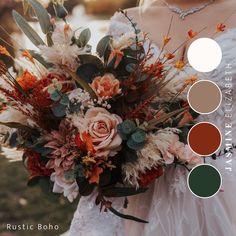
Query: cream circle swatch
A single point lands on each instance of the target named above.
(204, 97)
(204, 54)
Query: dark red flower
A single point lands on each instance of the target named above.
(41, 95)
(147, 178)
(35, 165)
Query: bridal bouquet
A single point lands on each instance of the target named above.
(107, 122)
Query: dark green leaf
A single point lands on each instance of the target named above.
(84, 38)
(85, 188)
(127, 217)
(42, 15)
(103, 45)
(27, 29)
(122, 191)
(90, 59)
(87, 72)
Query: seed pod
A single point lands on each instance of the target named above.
(60, 11)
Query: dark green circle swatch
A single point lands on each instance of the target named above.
(204, 181)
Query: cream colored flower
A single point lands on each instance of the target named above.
(70, 189)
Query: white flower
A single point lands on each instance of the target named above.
(155, 153)
(62, 52)
(70, 189)
(124, 41)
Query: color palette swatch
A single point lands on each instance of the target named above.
(204, 181)
(204, 97)
(204, 139)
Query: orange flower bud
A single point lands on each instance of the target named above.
(4, 51)
(179, 64)
(220, 27)
(192, 34)
(27, 55)
(169, 56)
(191, 80)
(166, 40)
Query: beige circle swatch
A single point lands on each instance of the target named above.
(204, 97)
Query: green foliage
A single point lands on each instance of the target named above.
(127, 217)
(135, 137)
(60, 10)
(103, 45)
(42, 15)
(27, 29)
(85, 188)
(126, 128)
(84, 38)
(59, 110)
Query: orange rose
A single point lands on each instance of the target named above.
(106, 86)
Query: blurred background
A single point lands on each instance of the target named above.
(18, 203)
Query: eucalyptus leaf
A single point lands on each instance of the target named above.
(84, 38)
(27, 29)
(59, 110)
(42, 15)
(65, 100)
(103, 45)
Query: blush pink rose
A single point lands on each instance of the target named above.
(101, 125)
(106, 86)
(184, 153)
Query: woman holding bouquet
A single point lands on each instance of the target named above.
(169, 206)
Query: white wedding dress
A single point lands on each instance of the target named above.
(169, 206)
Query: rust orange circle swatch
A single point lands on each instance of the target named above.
(204, 139)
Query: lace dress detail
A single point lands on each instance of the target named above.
(172, 210)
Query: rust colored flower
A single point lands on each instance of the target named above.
(89, 143)
(35, 165)
(27, 55)
(106, 86)
(27, 80)
(95, 175)
(41, 95)
(192, 34)
(220, 27)
(179, 65)
(166, 40)
(169, 56)
(3, 51)
(78, 141)
(147, 178)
